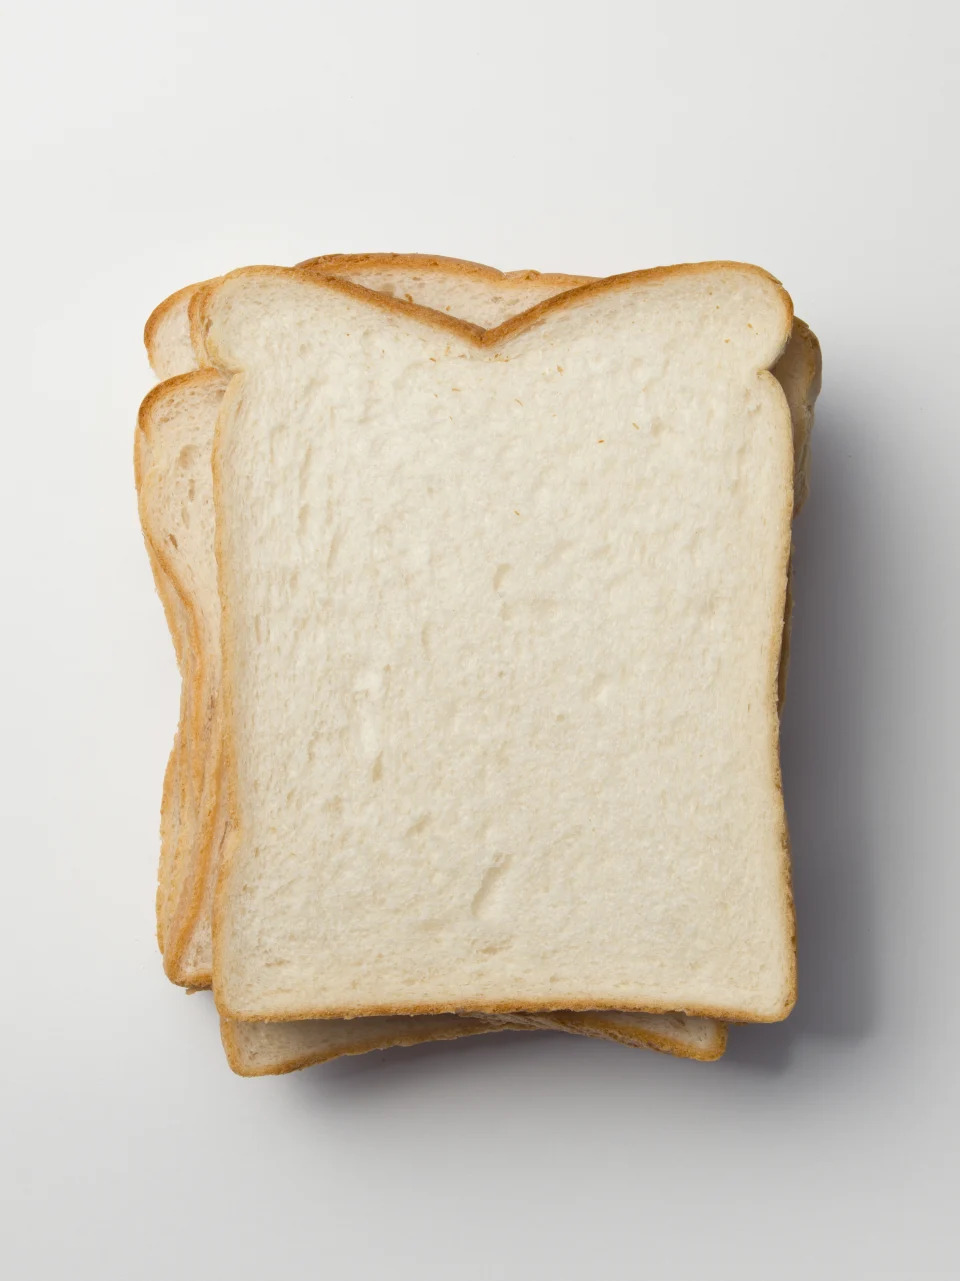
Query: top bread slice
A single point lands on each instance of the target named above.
(541, 768)
(468, 290)
(178, 452)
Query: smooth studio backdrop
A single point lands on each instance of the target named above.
(146, 146)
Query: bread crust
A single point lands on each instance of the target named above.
(470, 334)
(160, 314)
(449, 268)
(186, 771)
(242, 1066)
(230, 1039)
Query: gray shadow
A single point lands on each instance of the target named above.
(822, 756)
(393, 1069)
(528, 1059)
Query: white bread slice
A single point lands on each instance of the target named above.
(271, 1049)
(473, 286)
(694, 731)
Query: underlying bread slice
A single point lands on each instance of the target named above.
(691, 1038)
(179, 554)
(562, 696)
(271, 1049)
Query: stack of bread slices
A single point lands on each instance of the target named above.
(479, 590)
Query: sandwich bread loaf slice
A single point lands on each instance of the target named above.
(546, 728)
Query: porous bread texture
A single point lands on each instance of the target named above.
(272, 1049)
(372, 768)
(435, 279)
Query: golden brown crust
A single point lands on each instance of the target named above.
(660, 1041)
(475, 336)
(471, 334)
(171, 782)
(281, 1067)
(195, 313)
(190, 901)
(477, 1009)
(329, 265)
(449, 268)
(160, 314)
(184, 783)
(156, 396)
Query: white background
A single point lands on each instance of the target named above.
(151, 145)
